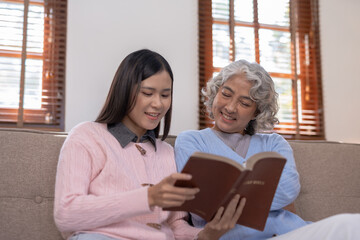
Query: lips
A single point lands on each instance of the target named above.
(227, 117)
(152, 116)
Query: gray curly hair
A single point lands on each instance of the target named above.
(262, 93)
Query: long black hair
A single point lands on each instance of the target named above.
(135, 68)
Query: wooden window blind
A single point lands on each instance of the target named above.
(32, 63)
(282, 36)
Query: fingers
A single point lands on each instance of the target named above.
(179, 190)
(165, 194)
(177, 176)
(218, 215)
(238, 211)
(233, 211)
(172, 203)
(227, 219)
(224, 220)
(178, 197)
(230, 209)
(188, 192)
(173, 199)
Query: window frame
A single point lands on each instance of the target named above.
(51, 115)
(300, 28)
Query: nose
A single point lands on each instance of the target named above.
(156, 101)
(230, 107)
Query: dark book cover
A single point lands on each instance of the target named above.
(220, 178)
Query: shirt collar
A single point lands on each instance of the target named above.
(125, 135)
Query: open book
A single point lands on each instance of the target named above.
(220, 178)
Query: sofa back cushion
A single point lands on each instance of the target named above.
(329, 177)
(28, 161)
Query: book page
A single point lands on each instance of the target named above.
(209, 156)
(250, 162)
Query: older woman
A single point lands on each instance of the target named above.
(242, 101)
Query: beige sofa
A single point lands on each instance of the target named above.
(329, 171)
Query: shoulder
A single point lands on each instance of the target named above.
(199, 140)
(86, 131)
(269, 137)
(165, 154)
(163, 146)
(87, 126)
(194, 134)
(270, 141)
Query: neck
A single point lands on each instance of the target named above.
(219, 130)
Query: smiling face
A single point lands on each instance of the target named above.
(232, 107)
(151, 104)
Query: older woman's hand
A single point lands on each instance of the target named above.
(223, 220)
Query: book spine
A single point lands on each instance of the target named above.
(234, 189)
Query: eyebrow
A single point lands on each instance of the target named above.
(228, 89)
(242, 97)
(247, 98)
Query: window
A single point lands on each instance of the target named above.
(32, 63)
(281, 35)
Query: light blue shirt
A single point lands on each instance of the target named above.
(279, 221)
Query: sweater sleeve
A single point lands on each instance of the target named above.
(181, 228)
(74, 208)
(185, 145)
(289, 184)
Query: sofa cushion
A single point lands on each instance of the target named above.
(329, 177)
(27, 179)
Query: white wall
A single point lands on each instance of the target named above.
(101, 33)
(340, 49)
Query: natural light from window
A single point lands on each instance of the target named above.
(11, 27)
(274, 42)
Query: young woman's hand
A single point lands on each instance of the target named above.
(165, 194)
(223, 220)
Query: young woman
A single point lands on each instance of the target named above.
(242, 101)
(114, 175)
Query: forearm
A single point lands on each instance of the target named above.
(83, 200)
(289, 184)
(76, 213)
(287, 191)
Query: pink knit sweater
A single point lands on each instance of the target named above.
(99, 187)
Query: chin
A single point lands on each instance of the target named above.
(224, 129)
(151, 126)
(228, 130)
